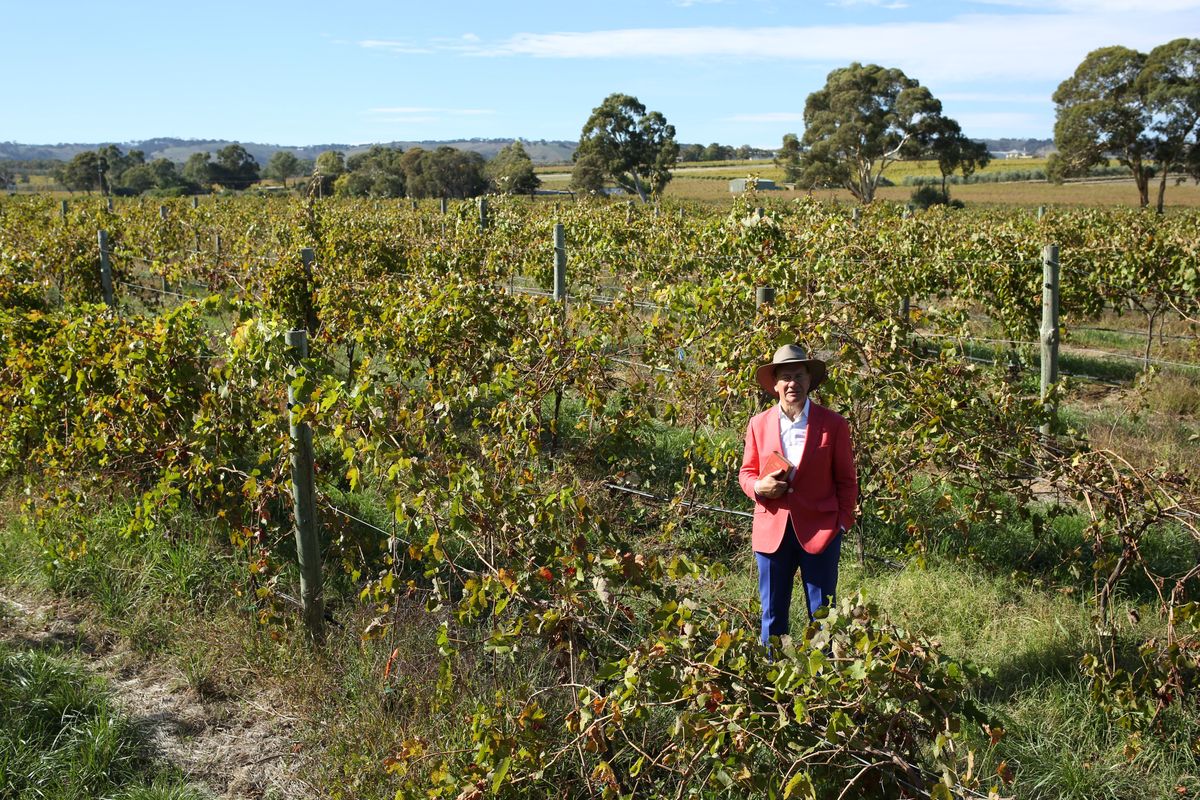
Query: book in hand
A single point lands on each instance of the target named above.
(774, 463)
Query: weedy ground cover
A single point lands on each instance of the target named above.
(62, 738)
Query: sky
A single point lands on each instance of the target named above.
(359, 71)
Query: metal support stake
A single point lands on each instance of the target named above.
(308, 256)
(106, 278)
(560, 263)
(308, 549)
(1049, 331)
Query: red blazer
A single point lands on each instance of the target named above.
(822, 494)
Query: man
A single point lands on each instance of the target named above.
(800, 513)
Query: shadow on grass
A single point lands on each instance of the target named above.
(1056, 663)
(1046, 543)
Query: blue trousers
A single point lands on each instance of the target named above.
(777, 572)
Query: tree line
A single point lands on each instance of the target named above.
(721, 152)
(377, 172)
(111, 171)
(419, 173)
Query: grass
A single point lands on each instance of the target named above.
(1140, 435)
(1059, 746)
(61, 737)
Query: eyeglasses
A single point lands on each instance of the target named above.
(790, 377)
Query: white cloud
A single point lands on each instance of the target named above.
(992, 97)
(768, 116)
(968, 48)
(893, 5)
(401, 111)
(1100, 6)
(394, 46)
(986, 123)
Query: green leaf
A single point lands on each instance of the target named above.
(501, 773)
(800, 786)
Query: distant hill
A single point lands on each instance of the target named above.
(540, 150)
(1038, 148)
(178, 150)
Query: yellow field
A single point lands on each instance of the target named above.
(712, 186)
(1016, 193)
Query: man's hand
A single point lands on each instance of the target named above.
(771, 485)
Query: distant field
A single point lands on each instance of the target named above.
(1015, 193)
(765, 168)
(709, 184)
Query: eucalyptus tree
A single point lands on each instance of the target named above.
(283, 165)
(864, 118)
(1170, 82)
(511, 171)
(1101, 113)
(636, 148)
(955, 152)
(788, 157)
(235, 168)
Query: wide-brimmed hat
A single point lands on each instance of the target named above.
(790, 354)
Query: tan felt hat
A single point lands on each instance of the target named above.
(790, 354)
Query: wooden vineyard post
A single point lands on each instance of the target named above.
(764, 296)
(106, 279)
(63, 210)
(1049, 331)
(629, 212)
(445, 205)
(195, 202)
(308, 550)
(483, 214)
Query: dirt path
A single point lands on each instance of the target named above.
(239, 748)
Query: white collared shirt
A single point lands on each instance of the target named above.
(793, 433)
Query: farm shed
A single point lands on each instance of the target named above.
(739, 184)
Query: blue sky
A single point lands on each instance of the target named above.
(730, 71)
